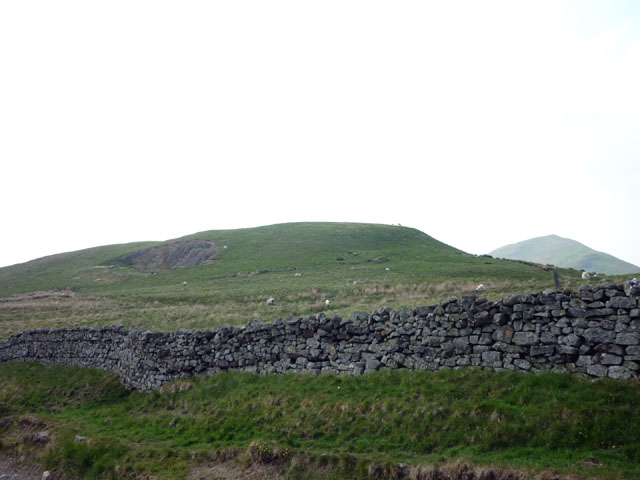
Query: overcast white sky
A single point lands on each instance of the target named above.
(479, 123)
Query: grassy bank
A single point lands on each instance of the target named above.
(299, 424)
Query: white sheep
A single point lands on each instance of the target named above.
(184, 284)
(297, 275)
(271, 301)
(326, 302)
(386, 269)
(480, 288)
(585, 275)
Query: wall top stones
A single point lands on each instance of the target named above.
(594, 332)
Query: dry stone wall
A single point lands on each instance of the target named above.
(595, 332)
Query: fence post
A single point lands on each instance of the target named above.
(556, 280)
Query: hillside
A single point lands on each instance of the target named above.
(231, 273)
(566, 253)
(294, 247)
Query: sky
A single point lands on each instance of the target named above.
(479, 123)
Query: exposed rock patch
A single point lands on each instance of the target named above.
(189, 253)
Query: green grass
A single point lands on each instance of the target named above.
(530, 422)
(228, 291)
(310, 248)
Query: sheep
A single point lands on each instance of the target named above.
(184, 284)
(386, 269)
(326, 302)
(297, 275)
(480, 288)
(271, 301)
(585, 275)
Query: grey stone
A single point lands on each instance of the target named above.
(620, 302)
(631, 289)
(511, 300)
(619, 372)
(524, 338)
(480, 319)
(371, 365)
(503, 334)
(607, 359)
(610, 348)
(522, 364)
(584, 361)
(578, 304)
(600, 312)
(491, 356)
(548, 338)
(566, 349)
(544, 350)
(599, 335)
(597, 370)
(633, 350)
(624, 338)
(573, 340)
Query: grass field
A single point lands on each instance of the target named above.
(343, 263)
(297, 423)
(297, 426)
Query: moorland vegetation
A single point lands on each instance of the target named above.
(389, 424)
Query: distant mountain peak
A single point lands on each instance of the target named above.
(564, 252)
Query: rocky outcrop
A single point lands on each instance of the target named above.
(187, 253)
(595, 332)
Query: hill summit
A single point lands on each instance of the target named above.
(564, 252)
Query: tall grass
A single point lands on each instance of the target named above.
(235, 302)
(518, 421)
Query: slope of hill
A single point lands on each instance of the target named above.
(321, 248)
(230, 274)
(566, 253)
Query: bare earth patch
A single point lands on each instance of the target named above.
(458, 470)
(26, 439)
(189, 253)
(10, 469)
(232, 471)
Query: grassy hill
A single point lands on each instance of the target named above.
(565, 252)
(301, 265)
